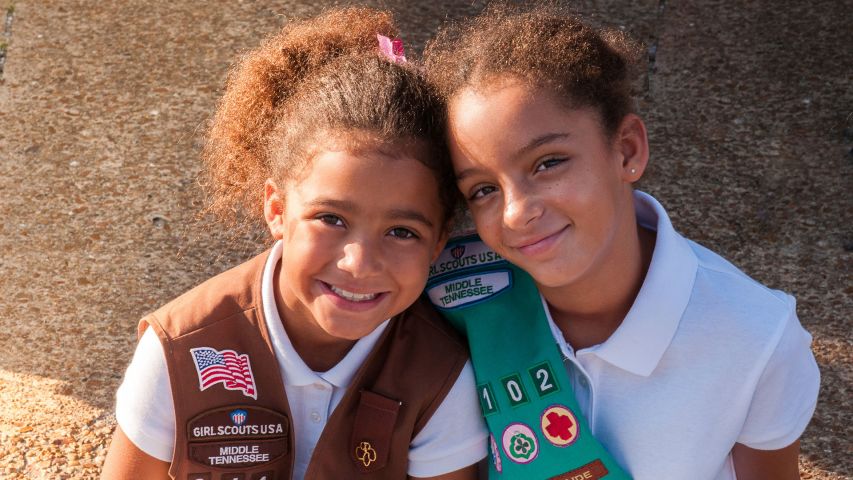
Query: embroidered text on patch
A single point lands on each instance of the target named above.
(460, 291)
(227, 367)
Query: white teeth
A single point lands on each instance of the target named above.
(353, 297)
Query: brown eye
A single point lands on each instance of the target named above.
(401, 232)
(332, 220)
(481, 192)
(549, 163)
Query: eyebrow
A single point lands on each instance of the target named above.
(332, 203)
(539, 141)
(403, 214)
(531, 145)
(394, 214)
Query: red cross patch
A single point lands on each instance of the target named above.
(559, 425)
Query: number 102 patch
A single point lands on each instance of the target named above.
(513, 388)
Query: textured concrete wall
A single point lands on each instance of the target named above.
(749, 106)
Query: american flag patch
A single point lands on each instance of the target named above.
(227, 367)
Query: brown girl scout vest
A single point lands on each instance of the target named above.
(232, 415)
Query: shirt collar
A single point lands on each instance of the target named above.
(644, 335)
(294, 371)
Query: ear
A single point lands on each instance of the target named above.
(274, 209)
(633, 145)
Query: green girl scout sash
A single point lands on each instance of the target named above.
(537, 430)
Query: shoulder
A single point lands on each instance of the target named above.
(742, 315)
(766, 347)
(721, 283)
(222, 296)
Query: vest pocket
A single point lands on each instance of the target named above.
(371, 435)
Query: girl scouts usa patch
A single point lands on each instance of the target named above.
(462, 255)
(227, 367)
(241, 436)
(457, 279)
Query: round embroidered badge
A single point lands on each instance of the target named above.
(519, 443)
(559, 425)
(496, 455)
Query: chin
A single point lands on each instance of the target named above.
(347, 332)
(344, 334)
(550, 277)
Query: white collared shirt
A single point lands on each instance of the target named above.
(705, 358)
(453, 438)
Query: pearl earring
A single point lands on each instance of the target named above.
(633, 171)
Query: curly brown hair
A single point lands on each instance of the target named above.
(318, 81)
(545, 45)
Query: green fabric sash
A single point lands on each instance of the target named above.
(537, 430)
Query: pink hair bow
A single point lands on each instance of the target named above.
(391, 49)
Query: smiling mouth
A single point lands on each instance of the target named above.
(352, 296)
(540, 245)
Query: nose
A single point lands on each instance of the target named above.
(521, 208)
(361, 259)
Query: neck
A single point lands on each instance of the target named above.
(590, 309)
(319, 350)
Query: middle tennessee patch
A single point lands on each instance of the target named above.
(461, 291)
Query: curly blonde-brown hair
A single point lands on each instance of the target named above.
(317, 81)
(545, 45)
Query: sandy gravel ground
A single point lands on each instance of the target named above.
(750, 107)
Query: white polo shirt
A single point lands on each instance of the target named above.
(453, 438)
(705, 358)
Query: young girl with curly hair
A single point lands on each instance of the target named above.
(315, 359)
(685, 367)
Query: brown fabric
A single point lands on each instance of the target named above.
(416, 364)
(594, 470)
(392, 396)
(372, 431)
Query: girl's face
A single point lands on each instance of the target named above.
(547, 189)
(359, 232)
